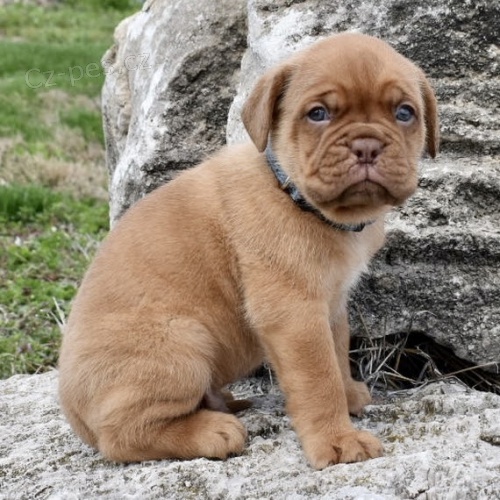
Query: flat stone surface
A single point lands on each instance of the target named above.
(442, 441)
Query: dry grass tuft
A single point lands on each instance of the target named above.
(411, 359)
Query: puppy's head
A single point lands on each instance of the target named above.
(348, 119)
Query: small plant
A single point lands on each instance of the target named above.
(24, 204)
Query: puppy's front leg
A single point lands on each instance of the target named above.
(301, 348)
(358, 395)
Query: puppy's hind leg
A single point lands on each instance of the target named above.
(223, 400)
(155, 412)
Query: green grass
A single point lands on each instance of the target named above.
(46, 242)
(53, 211)
(44, 50)
(69, 22)
(29, 68)
(89, 123)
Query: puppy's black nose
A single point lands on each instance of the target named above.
(367, 149)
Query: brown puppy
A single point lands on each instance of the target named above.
(221, 268)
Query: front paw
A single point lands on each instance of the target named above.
(346, 447)
(358, 396)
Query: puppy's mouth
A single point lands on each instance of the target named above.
(359, 184)
(364, 193)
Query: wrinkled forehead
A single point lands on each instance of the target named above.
(360, 69)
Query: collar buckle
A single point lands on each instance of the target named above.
(286, 184)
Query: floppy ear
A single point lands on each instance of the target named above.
(260, 108)
(431, 118)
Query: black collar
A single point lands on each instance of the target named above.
(292, 190)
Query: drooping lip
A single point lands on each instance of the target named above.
(364, 180)
(365, 172)
(365, 192)
(361, 184)
(368, 182)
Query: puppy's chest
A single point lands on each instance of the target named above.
(344, 270)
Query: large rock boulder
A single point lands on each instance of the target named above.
(170, 79)
(442, 441)
(439, 272)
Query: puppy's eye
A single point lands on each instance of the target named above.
(405, 113)
(318, 114)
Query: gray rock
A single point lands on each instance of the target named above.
(439, 272)
(170, 79)
(441, 442)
